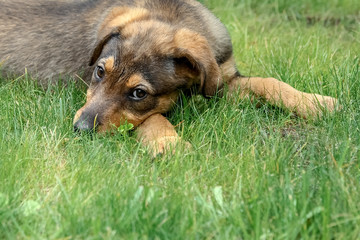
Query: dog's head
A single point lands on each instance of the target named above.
(140, 65)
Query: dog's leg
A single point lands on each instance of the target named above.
(276, 92)
(157, 133)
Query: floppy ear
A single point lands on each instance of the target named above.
(195, 48)
(111, 26)
(100, 45)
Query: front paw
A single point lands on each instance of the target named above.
(165, 145)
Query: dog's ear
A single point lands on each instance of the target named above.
(100, 45)
(196, 50)
(112, 25)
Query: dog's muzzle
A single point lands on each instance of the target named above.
(87, 123)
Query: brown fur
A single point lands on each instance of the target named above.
(126, 48)
(109, 64)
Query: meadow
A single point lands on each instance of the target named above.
(254, 171)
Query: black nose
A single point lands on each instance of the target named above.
(86, 124)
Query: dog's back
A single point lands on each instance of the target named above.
(47, 38)
(52, 38)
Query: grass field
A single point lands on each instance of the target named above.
(253, 173)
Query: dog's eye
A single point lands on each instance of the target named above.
(100, 72)
(138, 94)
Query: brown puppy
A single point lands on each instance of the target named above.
(137, 55)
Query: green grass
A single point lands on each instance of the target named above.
(253, 173)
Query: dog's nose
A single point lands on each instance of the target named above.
(86, 124)
(80, 127)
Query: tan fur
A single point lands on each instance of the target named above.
(158, 134)
(283, 95)
(166, 102)
(115, 119)
(134, 80)
(157, 46)
(109, 64)
(122, 16)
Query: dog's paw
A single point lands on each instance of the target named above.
(166, 144)
(314, 105)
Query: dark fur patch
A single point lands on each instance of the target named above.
(226, 53)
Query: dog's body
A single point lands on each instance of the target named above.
(55, 38)
(142, 53)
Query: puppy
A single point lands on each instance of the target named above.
(137, 55)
